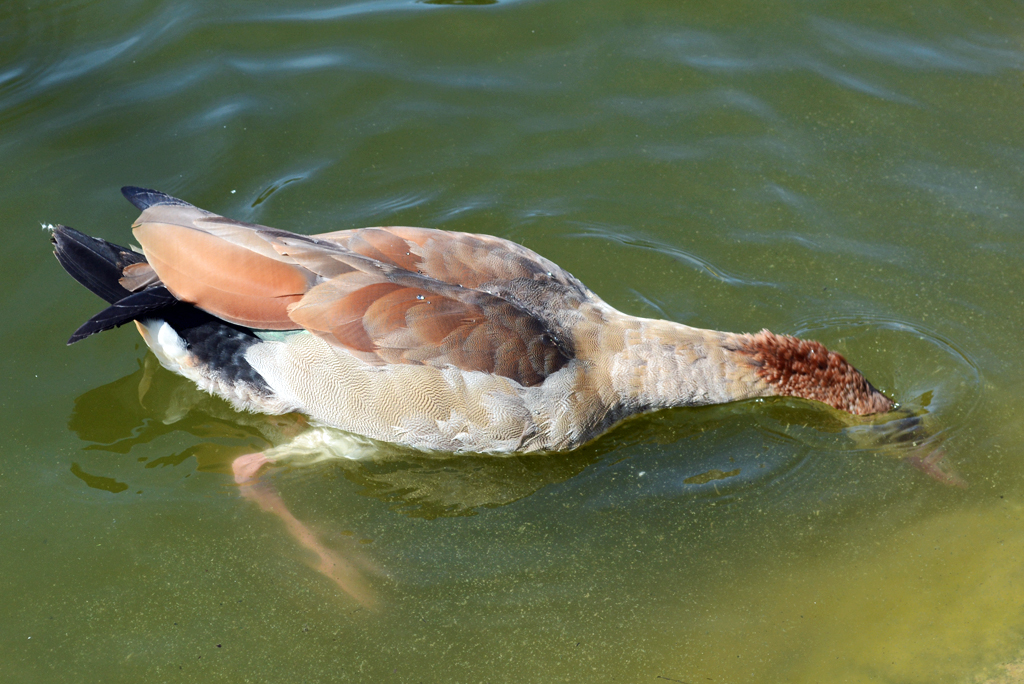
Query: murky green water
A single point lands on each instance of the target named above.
(851, 172)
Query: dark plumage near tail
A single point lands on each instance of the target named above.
(144, 199)
(93, 262)
(99, 265)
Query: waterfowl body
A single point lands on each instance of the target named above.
(431, 339)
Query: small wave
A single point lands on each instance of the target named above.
(299, 63)
(401, 202)
(908, 53)
(80, 64)
(736, 53)
(925, 371)
(274, 187)
(346, 11)
(629, 238)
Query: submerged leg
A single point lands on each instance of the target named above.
(246, 466)
(329, 563)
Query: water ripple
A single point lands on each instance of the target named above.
(11, 74)
(338, 11)
(934, 373)
(402, 201)
(218, 113)
(310, 62)
(967, 191)
(629, 238)
(81, 64)
(287, 179)
(854, 83)
(346, 11)
(902, 50)
(65, 66)
(710, 52)
(716, 99)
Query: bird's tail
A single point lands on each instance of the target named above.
(100, 266)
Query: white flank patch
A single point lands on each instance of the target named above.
(165, 343)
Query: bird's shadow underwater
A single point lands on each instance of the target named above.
(151, 402)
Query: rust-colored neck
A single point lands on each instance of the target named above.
(792, 367)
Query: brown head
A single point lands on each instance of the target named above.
(792, 367)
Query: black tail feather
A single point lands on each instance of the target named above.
(99, 265)
(93, 262)
(144, 199)
(133, 307)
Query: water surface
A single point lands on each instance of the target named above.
(845, 171)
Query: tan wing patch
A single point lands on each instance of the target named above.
(463, 259)
(226, 279)
(403, 323)
(390, 295)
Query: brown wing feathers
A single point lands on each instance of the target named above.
(388, 295)
(463, 259)
(405, 317)
(225, 279)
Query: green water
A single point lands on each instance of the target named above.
(847, 171)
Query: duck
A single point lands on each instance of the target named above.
(429, 339)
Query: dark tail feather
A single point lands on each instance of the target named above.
(99, 265)
(93, 262)
(133, 307)
(144, 199)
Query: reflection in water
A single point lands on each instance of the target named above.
(119, 416)
(914, 437)
(426, 487)
(107, 484)
(151, 402)
(711, 476)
